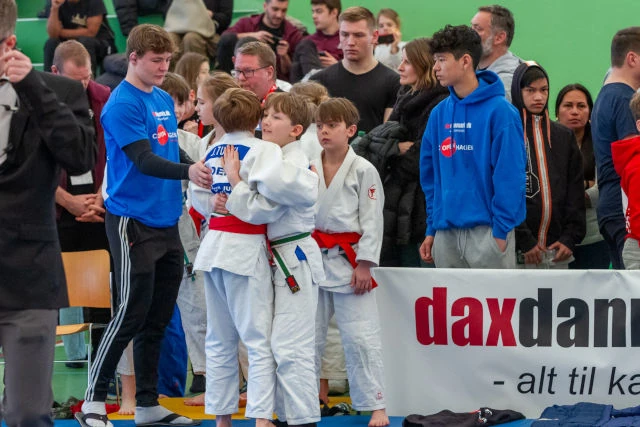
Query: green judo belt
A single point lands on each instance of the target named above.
(290, 280)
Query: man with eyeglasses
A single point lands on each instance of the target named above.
(43, 126)
(496, 27)
(255, 70)
(270, 27)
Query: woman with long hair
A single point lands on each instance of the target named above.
(573, 109)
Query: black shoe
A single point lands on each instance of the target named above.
(198, 385)
(75, 365)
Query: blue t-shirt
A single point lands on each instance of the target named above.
(611, 120)
(129, 116)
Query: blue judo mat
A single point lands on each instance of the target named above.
(344, 421)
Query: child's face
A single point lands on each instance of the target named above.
(334, 135)
(203, 72)
(204, 108)
(277, 127)
(449, 70)
(535, 96)
(180, 109)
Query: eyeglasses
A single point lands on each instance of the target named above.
(246, 73)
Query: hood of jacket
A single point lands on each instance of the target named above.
(489, 86)
(516, 91)
(623, 152)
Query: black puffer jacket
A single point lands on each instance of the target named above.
(404, 211)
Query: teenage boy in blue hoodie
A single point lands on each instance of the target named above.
(472, 161)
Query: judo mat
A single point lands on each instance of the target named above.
(197, 412)
(338, 421)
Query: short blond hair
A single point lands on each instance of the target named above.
(311, 91)
(145, 38)
(71, 50)
(357, 14)
(237, 110)
(296, 108)
(338, 110)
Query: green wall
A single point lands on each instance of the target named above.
(570, 38)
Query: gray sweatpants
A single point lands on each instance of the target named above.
(631, 254)
(472, 248)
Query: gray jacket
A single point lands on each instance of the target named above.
(504, 68)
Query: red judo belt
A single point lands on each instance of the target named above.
(344, 241)
(232, 224)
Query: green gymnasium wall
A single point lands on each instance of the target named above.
(570, 38)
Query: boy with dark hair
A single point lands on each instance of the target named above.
(144, 160)
(626, 159)
(472, 161)
(349, 230)
(556, 220)
(298, 263)
(320, 49)
(611, 120)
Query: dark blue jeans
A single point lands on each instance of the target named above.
(614, 232)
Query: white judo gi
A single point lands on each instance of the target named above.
(293, 329)
(238, 286)
(353, 202)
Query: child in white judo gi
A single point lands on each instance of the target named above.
(296, 258)
(233, 255)
(349, 229)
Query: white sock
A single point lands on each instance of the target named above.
(150, 414)
(95, 408)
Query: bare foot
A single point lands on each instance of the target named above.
(379, 418)
(195, 400)
(324, 391)
(223, 420)
(263, 422)
(242, 400)
(128, 407)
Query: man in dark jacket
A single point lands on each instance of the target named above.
(80, 208)
(555, 220)
(270, 27)
(40, 131)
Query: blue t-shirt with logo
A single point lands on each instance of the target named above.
(129, 116)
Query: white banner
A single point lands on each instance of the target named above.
(508, 339)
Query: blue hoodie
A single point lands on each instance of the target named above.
(472, 161)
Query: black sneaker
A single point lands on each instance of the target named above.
(198, 385)
(75, 365)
